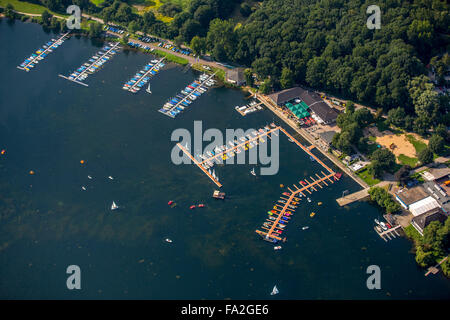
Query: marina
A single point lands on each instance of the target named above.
(42, 52)
(142, 77)
(93, 64)
(221, 153)
(177, 104)
(283, 211)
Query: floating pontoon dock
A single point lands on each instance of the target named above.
(172, 109)
(223, 154)
(78, 77)
(42, 53)
(273, 233)
(140, 80)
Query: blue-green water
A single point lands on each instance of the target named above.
(48, 124)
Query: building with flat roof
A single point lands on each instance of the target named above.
(423, 220)
(440, 194)
(407, 197)
(236, 76)
(424, 205)
(433, 174)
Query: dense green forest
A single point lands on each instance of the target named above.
(324, 44)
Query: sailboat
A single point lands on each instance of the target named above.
(114, 206)
(214, 174)
(253, 172)
(148, 88)
(274, 291)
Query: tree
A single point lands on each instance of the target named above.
(133, 26)
(190, 29)
(95, 29)
(46, 18)
(441, 130)
(287, 78)
(436, 143)
(425, 156)
(198, 45)
(350, 107)
(396, 117)
(248, 74)
(9, 11)
(383, 199)
(385, 158)
(265, 87)
(402, 175)
(363, 117)
(424, 259)
(204, 14)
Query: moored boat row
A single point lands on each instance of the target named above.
(181, 101)
(143, 76)
(94, 63)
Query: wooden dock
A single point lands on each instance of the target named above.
(435, 269)
(145, 74)
(390, 233)
(199, 165)
(240, 145)
(308, 186)
(359, 195)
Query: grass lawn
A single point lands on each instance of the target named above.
(418, 145)
(367, 177)
(27, 7)
(412, 162)
(171, 57)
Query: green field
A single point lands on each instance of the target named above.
(367, 177)
(171, 57)
(97, 2)
(418, 145)
(412, 162)
(27, 7)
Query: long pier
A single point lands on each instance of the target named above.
(232, 149)
(145, 74)
(56, 42)
(75, 79)
(184, 99)
(306, 186)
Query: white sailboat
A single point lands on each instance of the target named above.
(274, 291)
(253, 172)
(214, 174)
(148, 88)
(114, 206)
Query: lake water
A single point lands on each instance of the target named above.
(48, 124)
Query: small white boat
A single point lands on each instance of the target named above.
(84, 188)
(148, 88)
(89, 177)
(253, 172)
(305, 228)
(309, 200)
(168, 240)
(277, 248)
(114, 206)
(274, 291)
(111, 178)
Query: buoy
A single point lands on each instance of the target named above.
(31, 172)
(281, 185)
(320, 203)
(81, 161)
(3, 151)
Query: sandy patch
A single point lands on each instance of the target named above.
(397, 144)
